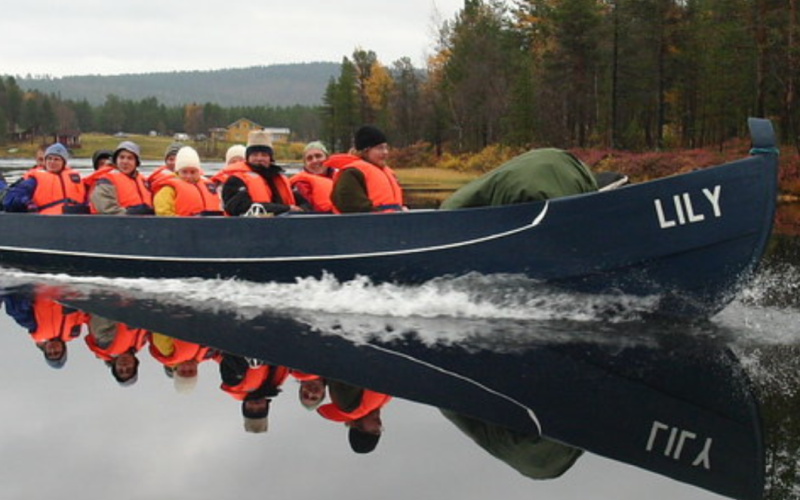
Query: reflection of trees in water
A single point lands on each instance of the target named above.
(778, 384)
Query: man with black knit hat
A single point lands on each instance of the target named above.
(257, 184)
(364, 182)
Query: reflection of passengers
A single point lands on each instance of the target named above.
(257, 182)
(529, 454)
(121, 190)
(189, 193)
(311, 392)
(54, 189)
(180, 359)
(50, 324)
(117, 345)
(360, 410)
(254, 384)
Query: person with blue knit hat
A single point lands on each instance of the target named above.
(56, 189)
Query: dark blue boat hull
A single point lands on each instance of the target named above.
(689, 239)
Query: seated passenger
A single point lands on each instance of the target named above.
(55, 189)
(190, 193)
(101, 158)
(364, 182)
(313, 185)
(120, 189)
(165, 171)
(234, 155)
(257, 184)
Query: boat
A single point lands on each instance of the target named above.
(690, 240)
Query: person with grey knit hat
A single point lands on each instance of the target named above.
(267, 192)
(313, 185)
(122, 190)
(365, 182)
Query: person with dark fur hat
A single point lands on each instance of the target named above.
(364, 182)
(257, 185)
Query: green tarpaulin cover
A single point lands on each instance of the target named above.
(539, 174)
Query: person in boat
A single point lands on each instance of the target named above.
(234, 155)
(364, 182)
(360, 410)
(189, 193)
(101, 158)
(313, 185)
(167, 170)
(39, 159)
(50, 325)
(55, 189)
(257, 184)
(121, 189)
(255, 384)
(117, 345)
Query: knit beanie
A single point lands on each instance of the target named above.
(129, 146)
(172, 149)
(57, 149)
(368, 137)
(362, 442)
(234, 151)
(316, 145)
(259, 140)
(187, 157)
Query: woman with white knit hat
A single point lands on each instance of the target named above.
(188, 194)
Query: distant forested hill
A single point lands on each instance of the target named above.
(277, 85)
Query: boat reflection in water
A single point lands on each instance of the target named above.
(651, 397)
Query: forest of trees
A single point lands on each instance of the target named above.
(632, 74)
(628, 74)
(44, 115)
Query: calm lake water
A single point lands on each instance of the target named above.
(586, 371)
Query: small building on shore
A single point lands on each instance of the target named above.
(237, 131)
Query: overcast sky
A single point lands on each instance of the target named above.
(44, 37)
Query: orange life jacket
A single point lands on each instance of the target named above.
(302, 376)
(183, 351)
(370, 401)
(53, 323)
(222, 175)
(131, 191)
(194, 199)
(158, 176)
(257, 187)
(382, 187)
(254, 378)
(126, 338)
(315, 188)
(53, 191)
